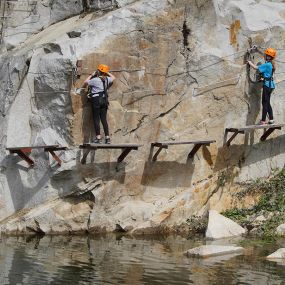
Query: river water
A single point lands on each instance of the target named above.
(134, 261)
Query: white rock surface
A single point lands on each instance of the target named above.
(278, 254)
(222, 227)
(280, 230)
(213, 250)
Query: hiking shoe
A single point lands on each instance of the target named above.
(271, 122)
(107, 140)
(96, 140)
(261, 123)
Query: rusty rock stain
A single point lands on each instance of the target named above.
(234, 29)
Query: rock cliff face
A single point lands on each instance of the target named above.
(180, 76)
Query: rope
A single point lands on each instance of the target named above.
(216, 83)
(254, 49)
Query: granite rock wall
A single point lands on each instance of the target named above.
(180, 76)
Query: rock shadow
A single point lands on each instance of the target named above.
(20, 193)
(169, 174)
(107, 171)
(254, 102)
(87, 120)
(247, 154)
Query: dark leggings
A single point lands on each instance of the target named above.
(266, 107)
(99, 113)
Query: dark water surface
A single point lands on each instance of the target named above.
(125, 260)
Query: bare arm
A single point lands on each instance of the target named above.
(85, 84)
(112, 76)
(252, 64)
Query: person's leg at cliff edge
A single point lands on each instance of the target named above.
(267, 70)
(96, 118)
(266, 106)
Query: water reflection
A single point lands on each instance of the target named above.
(124, 260)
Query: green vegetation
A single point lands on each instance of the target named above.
(271, 206)
(197, 225)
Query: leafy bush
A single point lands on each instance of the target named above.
(272, 200)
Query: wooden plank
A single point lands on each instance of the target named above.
(255, 127)
(110, 146)
(33, 147)
(166, 143)
(48, 148)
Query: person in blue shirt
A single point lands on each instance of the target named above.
(267, 69)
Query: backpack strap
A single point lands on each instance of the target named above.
(105, 86)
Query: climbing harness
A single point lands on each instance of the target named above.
(103, 96)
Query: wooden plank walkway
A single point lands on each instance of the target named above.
(126, 149)
(268, 129)
(165, 144)
(24, 151)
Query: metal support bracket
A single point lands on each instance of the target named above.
(54, 155)
(126, 149)
(124, 153)
(195, 148)
(23, 153)
(160, 148)
(85, 154)
(268, 132)
(235, 133)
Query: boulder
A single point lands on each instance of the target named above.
(222, 227)
(281, 230)
(213, 250)
(278, 254)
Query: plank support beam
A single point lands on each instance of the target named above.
(268, 132)
(195, 148)
(160, 148)
(235, 133)
(124, 154)
(165, 145)
(126, 149)
(24, 152)
(54, 155)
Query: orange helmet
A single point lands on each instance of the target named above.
(103, 68)
(271, 52)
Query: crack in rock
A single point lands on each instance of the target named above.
(168, 111)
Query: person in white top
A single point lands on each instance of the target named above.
(99, 82)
